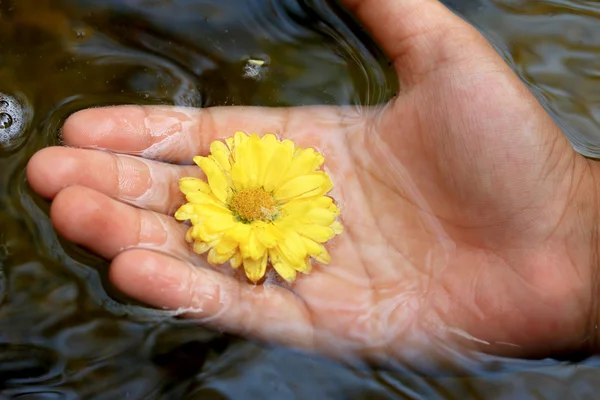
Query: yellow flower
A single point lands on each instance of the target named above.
(264, 203)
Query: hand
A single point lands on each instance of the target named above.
(469, 220)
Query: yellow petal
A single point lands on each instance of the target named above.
(221, 154)
(284, 269)
(323, 202)
(226, 245)
(327, 202)
(230, 143)
(184, 212)
(201, 247)
(287, 257)
(203, 198)
(318, 233)
(195, 232)
(255, 269)
(188, 236)
(215, 258)
(312, 247)
(323, 257)
(337, 227)
(220, 222)
(296, 209)
(319, 216)
(267, 234)
(294, 248)
(236, 260)
(334, 210)
(239, 138)
(189, 211)
(290, 145)
(203, 211)
(314, 184)
(251, 158)
(316, 250)
(239, 232)
(216, 177)
(239, 177)
(277, 165)
(199, 232)
(304, 162)
(252, 247)
(270, 143)
(307, 267)
(218, 145)
(191, 185)
(257, 148)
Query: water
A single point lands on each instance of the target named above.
(66, 333)
(14, 117)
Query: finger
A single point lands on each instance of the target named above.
(177, 134)
(266, 312)
(418, 35)
(174, 134)
(107, 227)
(143, 183)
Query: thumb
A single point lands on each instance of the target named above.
(417, 35)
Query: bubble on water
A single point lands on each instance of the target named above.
(13, 119)
(6, 121)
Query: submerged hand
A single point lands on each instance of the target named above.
(467, 214)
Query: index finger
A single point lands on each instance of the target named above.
(173, 134)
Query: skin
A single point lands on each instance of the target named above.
(471, 223)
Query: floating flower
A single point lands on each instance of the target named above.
(264, 203)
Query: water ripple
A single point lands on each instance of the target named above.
(558, 57)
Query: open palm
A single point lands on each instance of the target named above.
(468, 217)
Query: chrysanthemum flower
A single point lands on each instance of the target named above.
(264, 203)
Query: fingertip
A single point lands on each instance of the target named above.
(153, 278)
(130, 268)
(38, 173)
(105, 127)
(74, 206)
(75, 125)
(52, 169)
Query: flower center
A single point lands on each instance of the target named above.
(253, 205)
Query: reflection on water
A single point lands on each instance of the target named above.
(554, 45)
(65, 334)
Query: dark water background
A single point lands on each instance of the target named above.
(65, 334)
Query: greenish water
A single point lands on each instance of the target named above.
(66, 334)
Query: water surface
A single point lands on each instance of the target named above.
(66, 334)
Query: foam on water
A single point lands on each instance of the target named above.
(12, 120)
